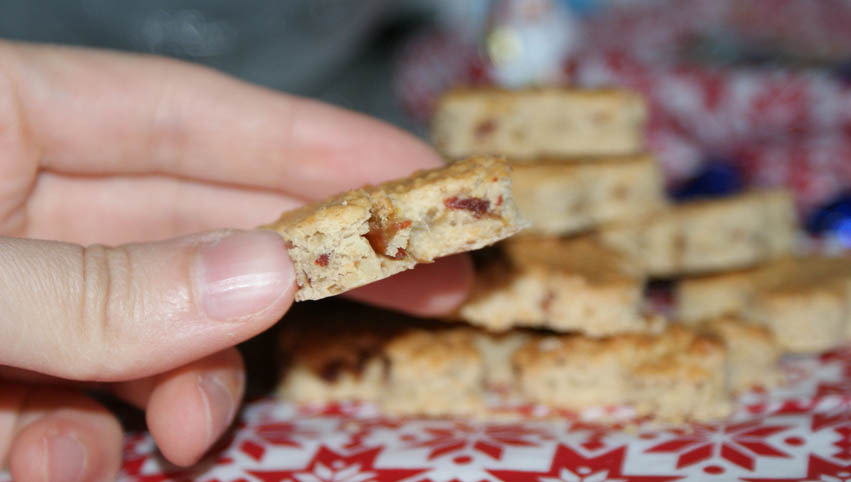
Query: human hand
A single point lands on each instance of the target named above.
(108, 148)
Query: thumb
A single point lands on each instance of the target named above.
(103, 313)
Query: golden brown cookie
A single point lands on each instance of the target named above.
(569, 284)
(805, 301)
(675, 375)
(709, 235)
(368, 234)
(541, 122)
(560, 197)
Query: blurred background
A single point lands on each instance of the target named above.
(741, 93)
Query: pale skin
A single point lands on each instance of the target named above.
(118, 159)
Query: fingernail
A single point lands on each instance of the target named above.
(242, 274)
(66, 458)
(219, 404)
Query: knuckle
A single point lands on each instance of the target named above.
(107, 308)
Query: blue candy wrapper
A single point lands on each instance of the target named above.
(717, 178)
(833, 220)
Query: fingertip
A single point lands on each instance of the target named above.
(69, 444)
(243, 274)
(190, 408)
(429, 290)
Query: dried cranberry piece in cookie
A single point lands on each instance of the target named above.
(479, 207)
(485, 128)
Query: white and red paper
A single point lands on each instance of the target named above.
(801, 431)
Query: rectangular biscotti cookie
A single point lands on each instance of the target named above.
(709, 235)
(753, 354)
(535, 123)
(562, 284)
(805, 301)
(561, 198)
(338, 351)
(676, 375)
(368, 234)
(407, 367)
(708, 296)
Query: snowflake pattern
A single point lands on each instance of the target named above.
(283, 433)
(740, 444)
(488, 439)
(569, 465)
(273, 434)
(582, 474)
(817, 469)
(330, 466)
(360, 429)
(339, 473)
(595, 433)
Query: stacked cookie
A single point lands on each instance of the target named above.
(557, 316)
(601, 227)
(804, 300)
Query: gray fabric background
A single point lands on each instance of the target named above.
(340, 51)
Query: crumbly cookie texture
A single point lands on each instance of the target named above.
(753, 354)
(338, 351)
(704, 297)
(560, 197)
(534, 123)
(374, 232)
(805, 301)
(346, 352)
(676, 375)
(709, 235)
(561, 284)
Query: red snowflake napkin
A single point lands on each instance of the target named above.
(801, 431)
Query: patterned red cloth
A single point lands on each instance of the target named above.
(662, 29)
(799, 432)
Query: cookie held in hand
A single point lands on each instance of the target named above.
(370, 233)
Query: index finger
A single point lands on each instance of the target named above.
(98, 112)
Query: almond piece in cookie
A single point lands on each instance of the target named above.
(368, 234)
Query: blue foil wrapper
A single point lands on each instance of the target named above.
(833, 220)
(717, 178)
